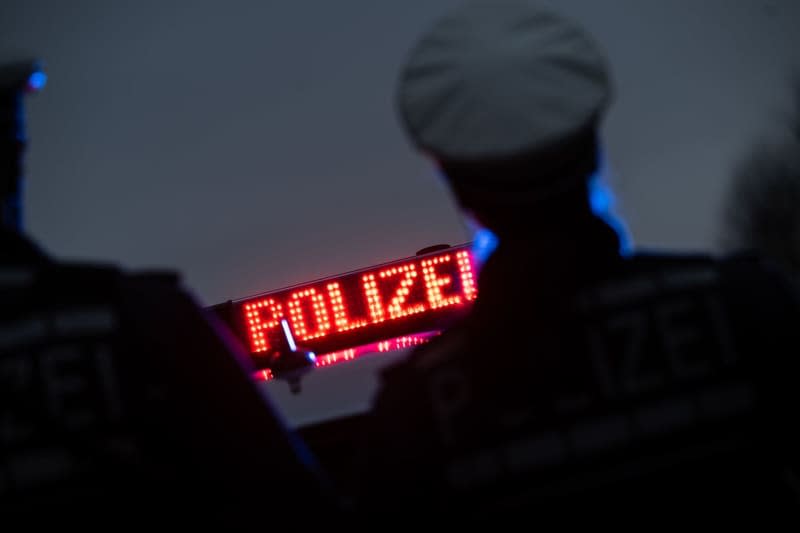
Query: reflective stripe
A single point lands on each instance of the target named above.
(21, 332)
(665, 416)
(613, 294)
(727, 400)
(15, 277)
(686, 278)
(40, 466)
(600, 433)
(91, 320)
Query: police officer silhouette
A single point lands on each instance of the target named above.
(587, 382)
(122, 402)
(761, 210)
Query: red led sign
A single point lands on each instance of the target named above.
(413, 295)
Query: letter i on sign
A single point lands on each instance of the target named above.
(340, 318)
(465, 271)
(374, 299)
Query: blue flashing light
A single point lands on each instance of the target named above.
(484, 243)
(288, 332)
(37, 81)
(601, 199)
(312, 357)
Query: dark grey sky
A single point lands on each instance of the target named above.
(253, 144)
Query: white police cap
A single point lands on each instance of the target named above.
(499, 78)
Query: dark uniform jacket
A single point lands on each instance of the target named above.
(123, 403)
(589, 386)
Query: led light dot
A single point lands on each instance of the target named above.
(265, 315)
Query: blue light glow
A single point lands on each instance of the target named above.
(312, 357)
(37, 81)
(601, 199)
(484, 243)
(288, 333)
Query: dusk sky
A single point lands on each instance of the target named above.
(252, 145)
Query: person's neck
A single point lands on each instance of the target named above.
(557, 230)
(573, 248)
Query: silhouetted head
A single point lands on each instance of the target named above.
(506, 98)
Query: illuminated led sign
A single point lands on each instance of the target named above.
(388, 301)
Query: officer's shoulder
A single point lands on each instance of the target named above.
(737, 266)
(657, 259)
(753, 261)
(73, 279)
(660, 260)
(745, 266)
(746, 272)
(87, 274)
(81, 269)
(162, 278)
